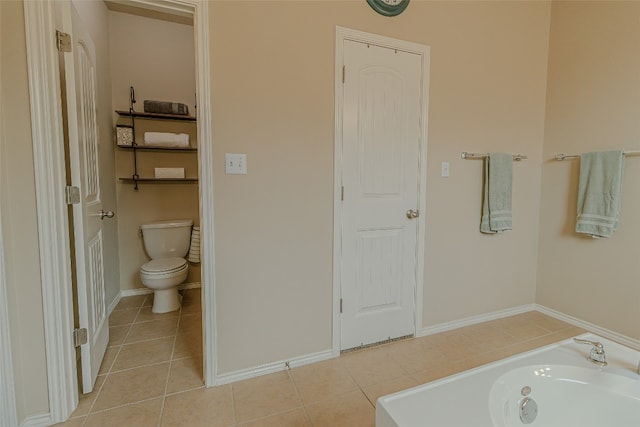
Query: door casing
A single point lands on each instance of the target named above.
(343, 34)
(53, 226)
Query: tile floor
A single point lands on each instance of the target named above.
(152, 372)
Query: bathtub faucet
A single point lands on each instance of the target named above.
(597, 355)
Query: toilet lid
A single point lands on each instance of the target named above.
(164, 265)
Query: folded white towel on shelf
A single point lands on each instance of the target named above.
(166, 139)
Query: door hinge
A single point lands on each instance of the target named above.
(344, 72)
(63, 41)
(79, 337)
(72, 195)
(342, 193)
(340, 305)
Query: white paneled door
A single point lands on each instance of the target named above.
(81, 93)
(381, 128)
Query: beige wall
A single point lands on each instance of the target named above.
(593, 104)
(19, 222)
(157, 58)
(95, 19)
(273, 65)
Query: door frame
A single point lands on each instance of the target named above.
(343, 34)
(53, 226)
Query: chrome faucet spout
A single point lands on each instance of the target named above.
(597, 354)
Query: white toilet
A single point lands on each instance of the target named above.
(166, 243)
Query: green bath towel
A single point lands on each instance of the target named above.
(599, 192)
(496, 204)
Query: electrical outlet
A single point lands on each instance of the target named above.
(235, 164)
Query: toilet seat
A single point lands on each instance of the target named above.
(164, 267)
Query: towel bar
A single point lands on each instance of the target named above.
(466, 155)
(562, 156)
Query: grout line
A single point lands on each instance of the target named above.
(173, 349)
(233, 405)
(295, 388)
(124, 405)
(90, 411)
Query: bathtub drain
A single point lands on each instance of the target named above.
(528, 410)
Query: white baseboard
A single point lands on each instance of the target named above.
(114, 303)
(41, 420)
(603, 332)
(270, 368)
(468, 321)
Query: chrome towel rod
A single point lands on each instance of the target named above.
(562, 156)
(466, 155)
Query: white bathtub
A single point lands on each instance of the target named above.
(567, 389)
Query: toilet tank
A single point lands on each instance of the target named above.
(164, 239)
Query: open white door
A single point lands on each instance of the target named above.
(81, 93)
(381, 160)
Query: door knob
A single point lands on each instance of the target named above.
(108, 214)
(412, 214)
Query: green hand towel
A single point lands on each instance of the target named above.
(496, 205)
(599, 192)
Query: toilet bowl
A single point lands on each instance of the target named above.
(163, 276)
(167, 244)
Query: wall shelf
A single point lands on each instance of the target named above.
(136, 114)
(154, 148)
(134, 147)
(174, 180)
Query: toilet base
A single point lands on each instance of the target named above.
(166, 300)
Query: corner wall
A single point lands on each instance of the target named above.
(273, 68)
(593, 104)
(19, 220)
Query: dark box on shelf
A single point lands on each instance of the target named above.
(166, 107)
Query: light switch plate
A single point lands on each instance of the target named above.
(235, 164)
(445, 170)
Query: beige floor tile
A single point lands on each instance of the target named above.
(152, 330)
(107, 362)
(148, 300)
(190, 324)
(72, 422)
(143, 353)
(317, 381)
(435, 373)
(146, 314)
(570, 332)
(144, 414)
(186, 374)
(372, 366)
(352, 409)
(296, 418)
(373, 392)
(263, 396)
(123, 317)
(210, 407)
(521, 327)
(131, 302)
(86, 400)
(191, 301)
(132, 386)
(416, 355)
(188, 345)
(117, 334)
